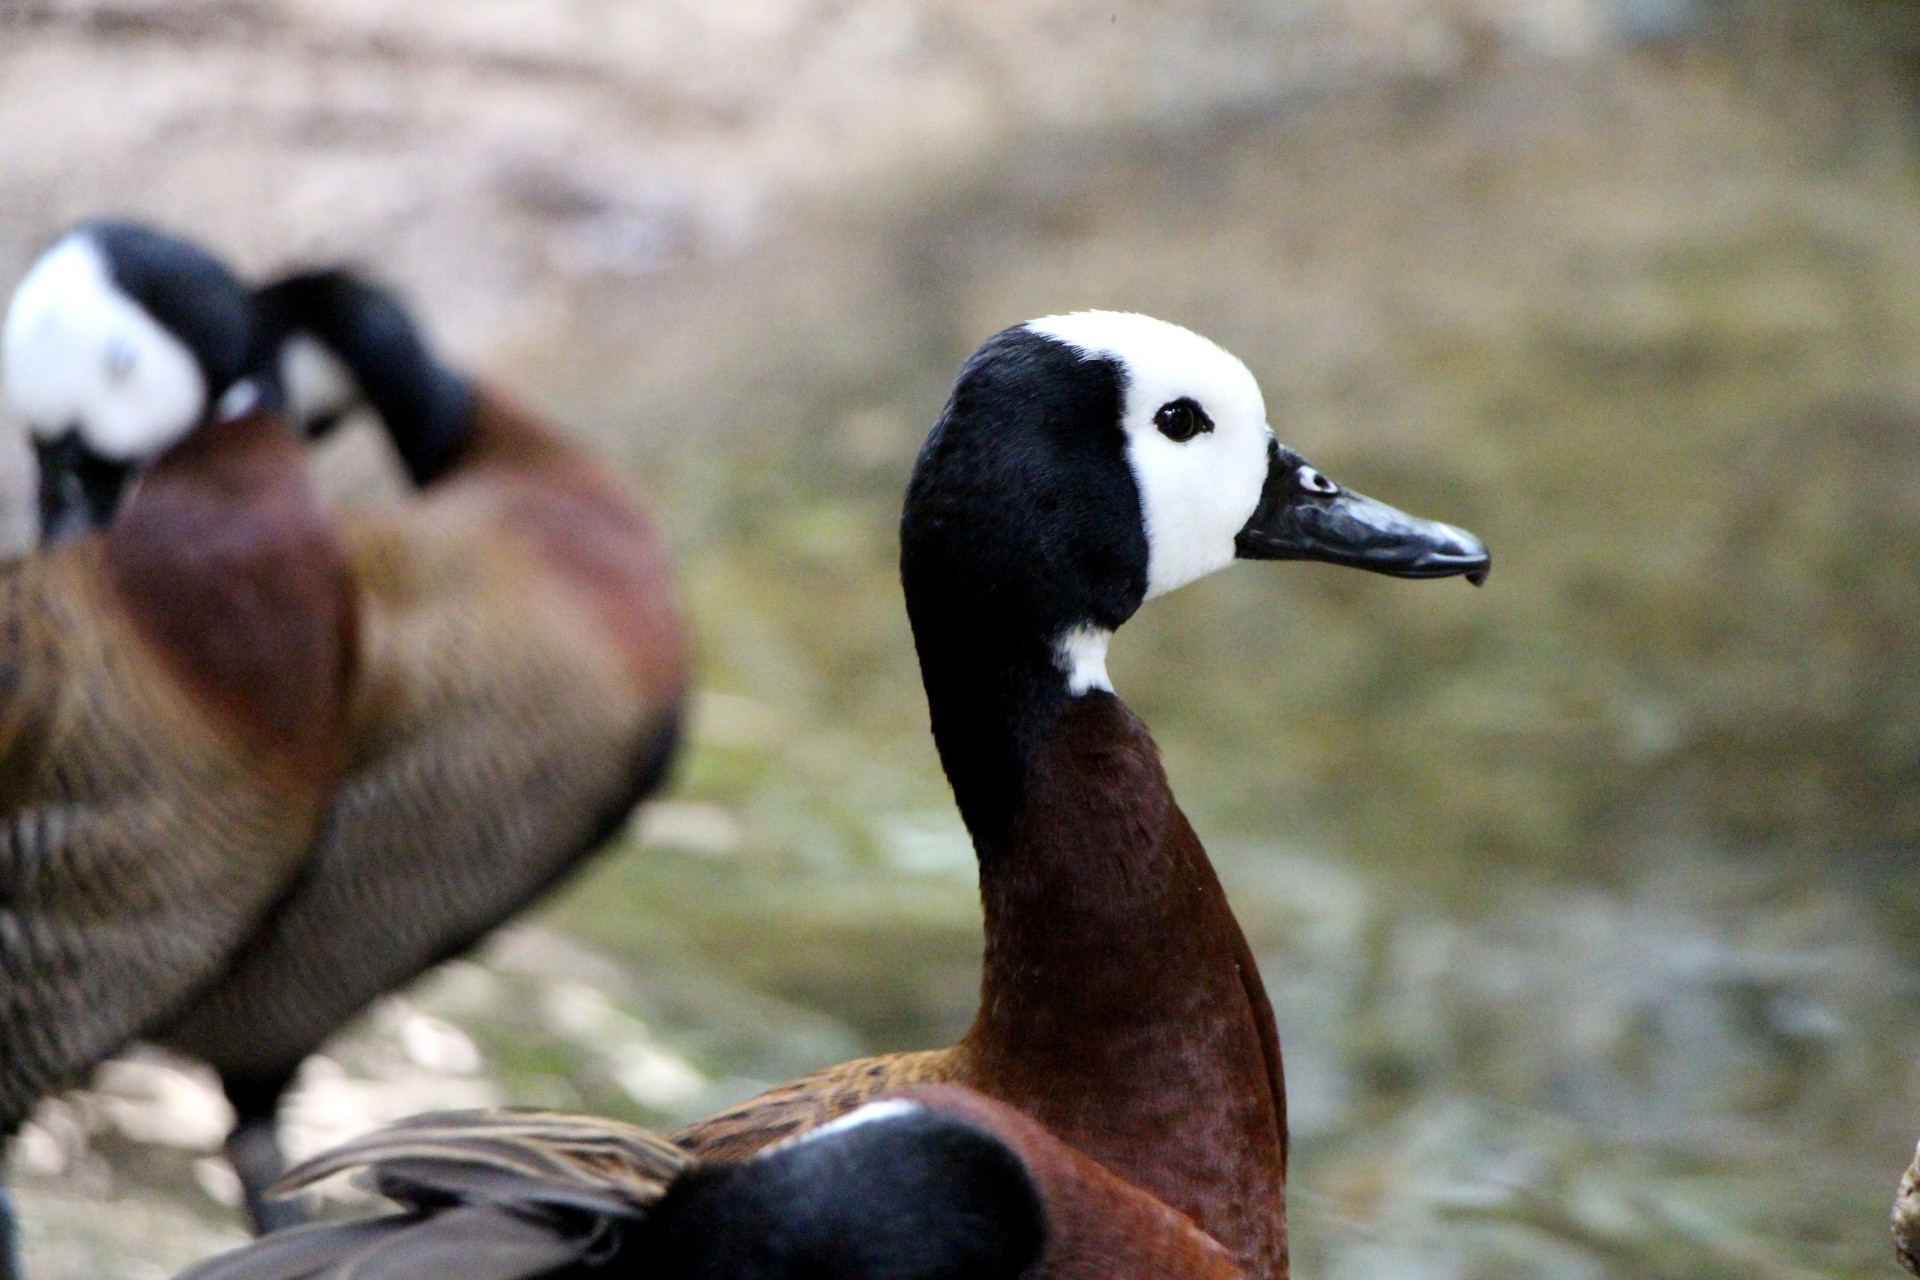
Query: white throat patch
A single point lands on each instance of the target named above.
(1195, 495)
(80, 354)
(1082, 654)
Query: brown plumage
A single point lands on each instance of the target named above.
(939, 1182)
(1098, 1226)
(523, 668)
(1120, 1006)
(1121, 1011)
(1082, 464)
(791, 1109)
(173, 699)
(176, 661)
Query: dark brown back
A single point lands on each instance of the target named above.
(228, 567)
(591, 530)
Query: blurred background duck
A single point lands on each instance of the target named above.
(928, 1184)
(175, 663)
(522, 679)
(1084, 464)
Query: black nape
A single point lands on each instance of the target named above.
(188, 292)
(427, 407)
(1022, 522)
(916, 1196)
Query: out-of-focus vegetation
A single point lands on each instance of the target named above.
(1587, 899)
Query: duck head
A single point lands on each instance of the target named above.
(119, 343)
(1085, 464)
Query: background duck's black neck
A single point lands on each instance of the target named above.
(427, 407)
(1022, 522)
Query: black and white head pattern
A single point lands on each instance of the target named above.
(127, 339)
(1195, 426)
(1194, 430)
(1084, 464)
(345, 341)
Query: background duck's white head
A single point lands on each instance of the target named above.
(117, 344)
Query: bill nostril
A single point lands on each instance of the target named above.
(1313, 481)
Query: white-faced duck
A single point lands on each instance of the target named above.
(1085, 464)
(175, 661)
(523, 666)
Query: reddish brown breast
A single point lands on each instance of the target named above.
(1119, 1006)
(1099, 1227)
(229, 568)
(588, 527)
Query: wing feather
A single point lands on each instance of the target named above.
(793, 1108)
(484, 1195)
(527, 1158)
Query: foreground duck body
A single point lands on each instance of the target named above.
(523, 670)
(1084, 464)
(174, 673)
(929, 1184)
(1120, 1005)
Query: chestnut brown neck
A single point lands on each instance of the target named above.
(1119, 1005)
(228, 567)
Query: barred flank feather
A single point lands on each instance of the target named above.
(522, 670)
(173, 710)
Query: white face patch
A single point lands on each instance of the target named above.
(884, 1110)
(1198, 494)
(317, 383)
(81, 354)
(1082, 654)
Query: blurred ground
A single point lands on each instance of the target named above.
(1586, 900)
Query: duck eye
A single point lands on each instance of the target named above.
(121, 357)
(1181, 420)
(1313, 482)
